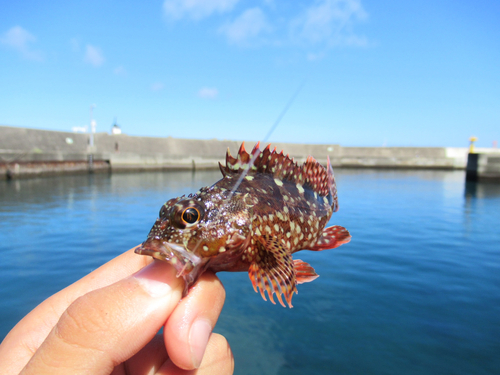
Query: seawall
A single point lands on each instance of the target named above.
(29, 152)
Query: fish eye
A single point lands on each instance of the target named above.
(190, 215)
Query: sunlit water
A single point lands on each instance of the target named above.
(417, 291)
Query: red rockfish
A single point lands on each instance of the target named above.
(265, 208)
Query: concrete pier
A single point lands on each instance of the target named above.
(29, 152)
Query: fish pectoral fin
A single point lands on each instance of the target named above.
(304, 273)
(275, 273)
(331, 238)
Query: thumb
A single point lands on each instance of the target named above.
(107, 326)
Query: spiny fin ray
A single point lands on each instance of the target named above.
(310, 173)
(273, 273)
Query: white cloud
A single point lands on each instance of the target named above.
(196, 9)
(20, 40)
(208, 92)
(248, 25)
(93, 56)
(330, 22)
(157, 86)
(120, 71)
(317, 26)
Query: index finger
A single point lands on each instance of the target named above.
(26, 337)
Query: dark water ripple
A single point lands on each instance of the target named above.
(417, 291)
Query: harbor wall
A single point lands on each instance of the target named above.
(25, 151)
(483, 167)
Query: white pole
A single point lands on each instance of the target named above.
(91, 140)
(92, 125)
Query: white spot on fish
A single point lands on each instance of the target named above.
(249, 178)
(278, 182)
(222, 249)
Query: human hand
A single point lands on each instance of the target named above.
(107, 323)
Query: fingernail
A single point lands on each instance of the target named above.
(152, 279)
(198, 339)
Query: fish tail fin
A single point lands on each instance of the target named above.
(331, 238)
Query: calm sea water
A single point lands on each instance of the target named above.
(417, 291)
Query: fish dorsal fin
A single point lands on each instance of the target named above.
(284, 168)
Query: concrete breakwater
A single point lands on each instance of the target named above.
(29, 152)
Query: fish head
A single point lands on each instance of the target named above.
(211, 227)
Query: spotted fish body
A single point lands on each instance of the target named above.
(265, 208)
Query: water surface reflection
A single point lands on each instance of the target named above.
(416, 291)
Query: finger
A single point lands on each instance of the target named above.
(188, 329)
(25, 338)
(151, 357)
(218, 360)
(107, 326)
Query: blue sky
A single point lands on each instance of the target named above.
(375, 72)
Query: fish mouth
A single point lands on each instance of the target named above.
(187, 264)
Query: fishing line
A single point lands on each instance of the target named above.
(252, 160)
(284, 111)
(273, 128)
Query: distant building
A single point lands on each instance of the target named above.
(115, 129)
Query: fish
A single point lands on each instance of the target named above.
(265, 208)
